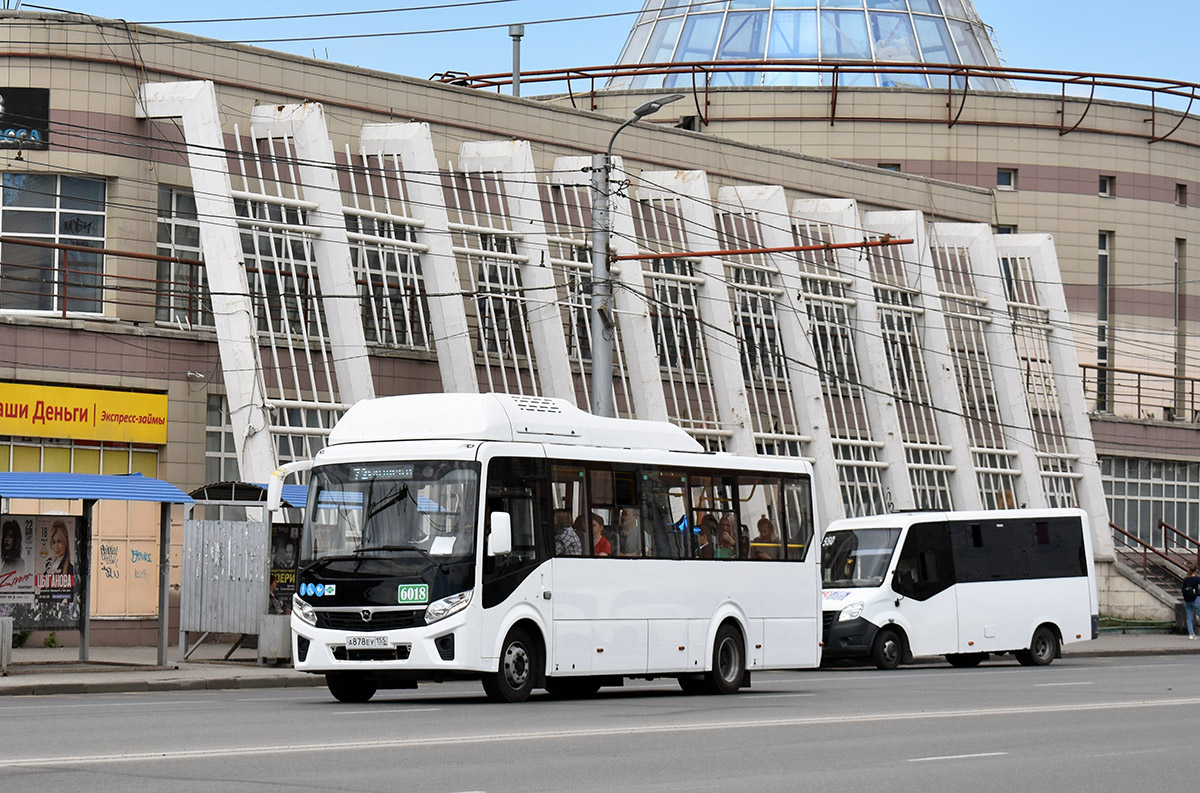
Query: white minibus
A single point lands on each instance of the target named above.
(525, 543)
(965, 585)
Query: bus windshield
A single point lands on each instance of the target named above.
(857, 557)
(363, 510)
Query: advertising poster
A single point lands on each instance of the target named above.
(40, 580)
(16, 559)
(285, 540)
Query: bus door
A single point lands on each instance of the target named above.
(923, 580)
(520, 579)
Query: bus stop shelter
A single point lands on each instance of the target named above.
(90, 488)
(233, 569)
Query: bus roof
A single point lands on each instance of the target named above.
(500, 417)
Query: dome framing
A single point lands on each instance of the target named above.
(875, 31)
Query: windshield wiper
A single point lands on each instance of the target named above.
(373, 548)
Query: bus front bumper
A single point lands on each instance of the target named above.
(848, 638)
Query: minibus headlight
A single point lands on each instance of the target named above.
(851, 612)
(305, 612)
(440, 609)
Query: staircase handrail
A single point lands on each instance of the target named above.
(1162, 524)
(1147, 549)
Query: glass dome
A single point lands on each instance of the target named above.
(876, 31)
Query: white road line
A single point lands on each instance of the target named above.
(956, 757)
(1080, 683)
(408, 743)
(373, 711)
(776, 696)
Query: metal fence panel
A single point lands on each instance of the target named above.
(224, 578)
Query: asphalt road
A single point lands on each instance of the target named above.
(1083, 724)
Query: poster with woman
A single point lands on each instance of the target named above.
(55, 557)
(16, 559)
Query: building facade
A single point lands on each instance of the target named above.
(264, 239)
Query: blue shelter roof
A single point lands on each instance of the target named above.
(86, 487)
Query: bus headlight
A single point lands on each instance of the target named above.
(304, 611)
(851, 612)
(440, 609)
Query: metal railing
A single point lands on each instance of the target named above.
(1144, 395)
(1154, 562)
(1147, 559)
(955, 79)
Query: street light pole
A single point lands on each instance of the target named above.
(602, 314)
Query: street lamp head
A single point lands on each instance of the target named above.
(654, 105)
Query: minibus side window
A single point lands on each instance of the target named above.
(925, 566)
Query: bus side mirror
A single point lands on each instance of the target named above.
(275, 485)
(500, 538)
(275, 492)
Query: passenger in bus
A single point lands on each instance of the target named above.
(629, 539)
(602, 546)
(766, 544)
(704, 537)
(727, 537)
(566, 541)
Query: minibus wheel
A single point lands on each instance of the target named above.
(1042, 650)
(888, 649)
(350, 687)
(513, 681)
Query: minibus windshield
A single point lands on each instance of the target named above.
(857, 557)
(424, 508)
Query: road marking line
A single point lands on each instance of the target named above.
(773, 696)
(956, 757)
(406, 743)
(1080, 683)
(373, 711)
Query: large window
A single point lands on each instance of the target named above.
(643, 511)
(183, 297)
(51, 210)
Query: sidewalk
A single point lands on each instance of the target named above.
(57, 670)
(42, 670)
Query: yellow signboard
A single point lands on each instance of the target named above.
(82, 414)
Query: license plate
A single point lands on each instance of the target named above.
(368, 641)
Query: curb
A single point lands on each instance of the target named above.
(42, 687)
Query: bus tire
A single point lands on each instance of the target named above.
(513, 680)
(964, 660)
(347, 687)
(1042, 649)
(888, 649)
(728, 663)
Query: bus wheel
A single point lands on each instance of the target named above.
(729, 662)
(513, 681)
(964, 660)
(350, 688)
(888, 649)
(1042, 649)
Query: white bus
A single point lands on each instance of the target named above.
(960, 584)
(525, 543)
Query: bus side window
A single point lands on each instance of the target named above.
(798, 521)
(927, 556)
(664, 519)
(514, 486)
(567, 496)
